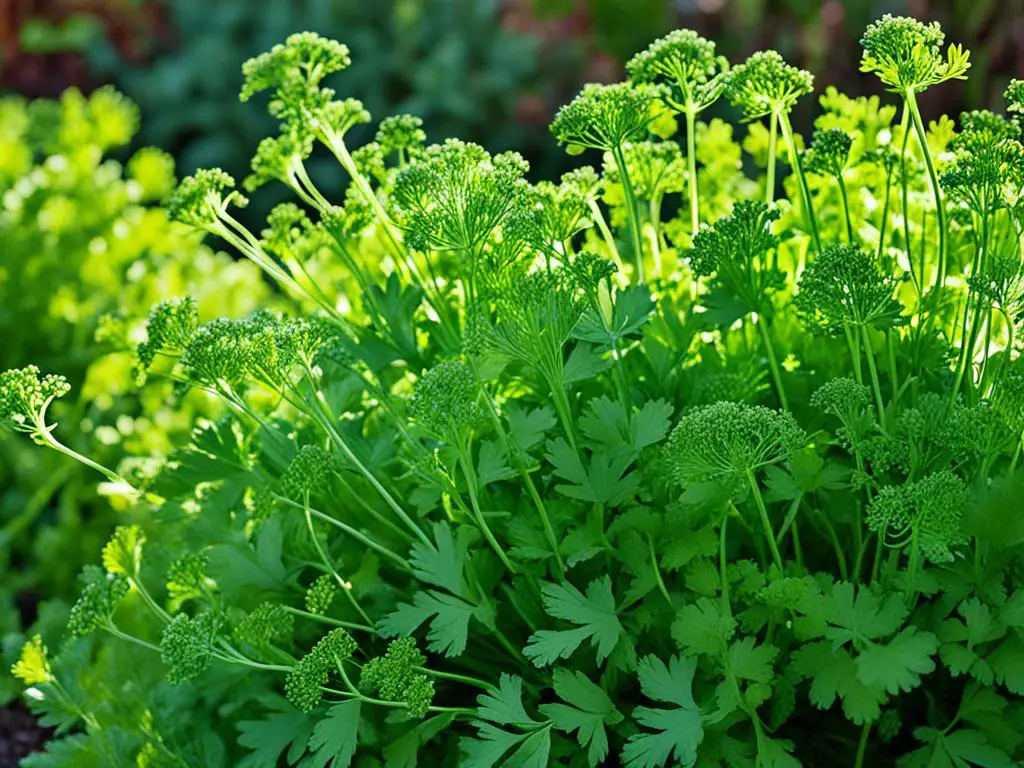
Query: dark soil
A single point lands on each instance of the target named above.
(20, 734)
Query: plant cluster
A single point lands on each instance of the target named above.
(510, 487)
(86, 252)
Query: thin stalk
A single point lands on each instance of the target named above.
(655, 215)
(606, 233)
(113, 630)
(885, 214)
(905, 200)
(455, 677)
(773, 363)
(657, 572)
(873, 370)
(346, 586)
(328, 620)
(853, 342)
(805, 193)
(326, 421)
(769, 179)
(691, 167)
(765, 521)
(846, 207)
(632, 211)
(471, 482)
(922, 139)
(723, 560)
(355, 534)
(862, 745)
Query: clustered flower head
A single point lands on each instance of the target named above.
(186, 646)
(25, 396)
(264, 624)
(906, 54)
(307, 473)
(304, 683)
(845, 286)
(202, 199)
(926, 514)
(402, 135)
(987, 170)
(395, 677)
(725, 441)
(829, 152)
(456, 194)
(689, 64)
(765, 84)
(605, 116)
(321, 594)
(303, 57)
(169, 328)
(97, 601)
(446, 399)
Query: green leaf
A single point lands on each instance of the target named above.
(403, 752)
(962, 748)
(606, 481)
(528, 427)
(702, 628)
(586, 711)
(449, 628)
(678, 731)
(833, 673)
(335, 738)
(898, 665)
(442, 566)
(283, 728)
(753, 662)
(492, 464)
(530, 739)
(583, 363)
(594, 613)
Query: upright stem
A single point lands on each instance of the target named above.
(769, 179)
(862, 745)
(471, 482)
(805, 193)
(922, 140)
(691, 161)
(873, 370)
(769, 532)
(846, 207)
(606, 233)
(632, 210)
(773, 363)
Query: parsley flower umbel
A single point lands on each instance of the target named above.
(906, 54)
(605, 117)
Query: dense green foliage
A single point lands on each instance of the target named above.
(85, 254)
(513, 489)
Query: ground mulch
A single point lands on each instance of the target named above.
(20, 734)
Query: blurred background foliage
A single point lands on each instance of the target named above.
(492, 71)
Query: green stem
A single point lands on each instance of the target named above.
(862, 745)
(471, 482)
(691, 163)
(805, 194)
(846, 207)
(474, 681)
(769, 179)
(632, 211)
(773, 363)
(723, 560)
(345, 586)
(113, 630)
(328, 620)
(922, 140)
(873, 370)
(853, 342)
(606, 233)
(657, 572)
(765, 521)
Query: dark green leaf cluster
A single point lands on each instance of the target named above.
(766, 85)
(845, 286)
(725, 441)
(605, 116)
